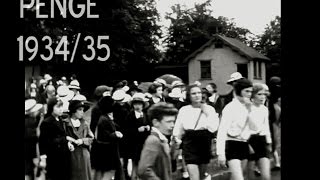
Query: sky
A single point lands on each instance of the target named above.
(251, 14)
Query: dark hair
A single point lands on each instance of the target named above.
(74, 105)
(153, 87)
(51, 103)
(213, 85)
(158, 110)
(240, 85)
(205, 91)
(106, 105)
(188, 90)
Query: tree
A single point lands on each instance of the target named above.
(191, 28)
(269, 44)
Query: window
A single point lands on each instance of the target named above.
(205, 69)
(257, 69)
(243, 69)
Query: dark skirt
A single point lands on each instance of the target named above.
(105, 157)
(259, 146)
(196, 146)
(237, 150)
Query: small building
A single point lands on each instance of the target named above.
(221, 56)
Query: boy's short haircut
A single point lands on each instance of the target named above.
(158, 110)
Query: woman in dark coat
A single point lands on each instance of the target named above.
(79, 130)
(105, 156)
(32, 120)
(138, 129)
(54, 143)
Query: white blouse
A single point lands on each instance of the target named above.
(260, 115)
(233, 121)
(187, 118)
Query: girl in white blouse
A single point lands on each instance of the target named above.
(195, 126)
(235, 129)
(260, 140)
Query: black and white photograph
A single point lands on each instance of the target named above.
(151, 89)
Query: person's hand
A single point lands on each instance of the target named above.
(222, 161)
(43, 163)
(204, 109)
(269, 147)
(70, 146)
(78, 142)
(141, 128)
(70, 139)
(119, 134)
(147, 127)
(248, 104)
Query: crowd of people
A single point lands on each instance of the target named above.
(126, 132)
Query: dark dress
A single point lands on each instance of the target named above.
(105, 154)
(53, 143)
(30, 141)
(80, 157)
(136, 138)
(95, 115)
(120, 114)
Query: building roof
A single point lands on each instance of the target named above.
(234, 44)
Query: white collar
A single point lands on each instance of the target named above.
(75, 122)
(138, 114)
(161, 136)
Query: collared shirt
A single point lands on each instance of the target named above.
(188, 116)
(138, 114)
(75, 122)
(260, 115)
(233, 121)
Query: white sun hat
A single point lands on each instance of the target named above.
(175, 93)
(31, 106)
(234, 76)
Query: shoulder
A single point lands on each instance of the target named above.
(210, 108)
(47, 120)
(185, 108)
(85, 123)
(264, 108)
(152, 140)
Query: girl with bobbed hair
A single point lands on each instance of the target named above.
(78, 129)
(235, 129)
(260, 139)
(105, 155)
(156, 90)
(54, 142)
(194, 128)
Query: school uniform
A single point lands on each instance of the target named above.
(196, 129)
(261, 136)
(234, 131)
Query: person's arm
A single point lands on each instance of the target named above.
(212, 120)
(178, 130)
(147, 162)
(225, 123)
(86, 141)
(266, 127)
(277, 110)
(95, 115)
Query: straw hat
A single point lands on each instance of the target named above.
(121, 95)
(175, 93)
(139, 97)
(74, 84)
(234, 77)
(31, 106)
